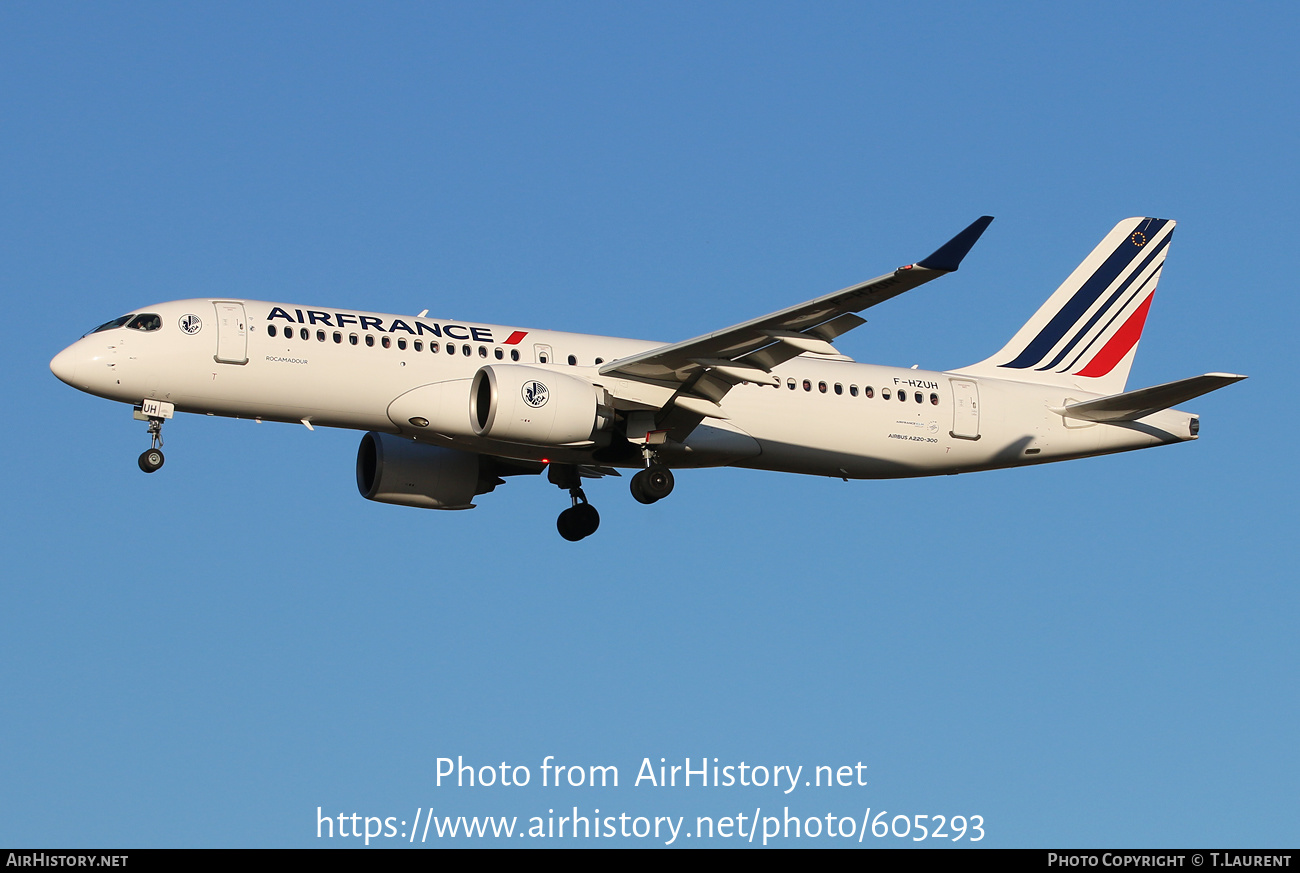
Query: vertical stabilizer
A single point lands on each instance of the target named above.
(1085, 336)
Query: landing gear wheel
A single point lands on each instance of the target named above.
(564, 524)
(658, 481)
(151, 460)
(587, 517)
(652, 484)
(638, 490)
(578, 522)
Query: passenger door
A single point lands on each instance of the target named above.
(965, 409)
(232, 333)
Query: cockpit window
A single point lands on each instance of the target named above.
(145, 321)
(109, 325)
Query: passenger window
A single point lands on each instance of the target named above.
(302, 332)
(338, 337)
(320, 336)
(387, 343)
(919, 399)
(433, 347)
(934, 399)
(482, 351)
(868, 392)
(821, 386)
(352, 338)
(451, 348)
(514, 354)
(499, 354)
(853, 390)
(401, 342)
(884, 393)
(370, 340)
(807, 384)
(839, 389)
(419, 345)
(599, 361)
(902, 395)
(270, 330)
(573, 360)
(789, 384)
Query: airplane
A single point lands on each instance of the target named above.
(452, 408)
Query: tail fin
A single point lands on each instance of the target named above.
(1086, 334)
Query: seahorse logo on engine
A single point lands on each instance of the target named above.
(535, 394)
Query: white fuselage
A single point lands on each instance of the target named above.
(828, 416)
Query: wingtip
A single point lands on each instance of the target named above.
(948, 257)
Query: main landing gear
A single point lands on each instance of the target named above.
(652, 484)
(655, 482)
(581, 519)
(152, 459)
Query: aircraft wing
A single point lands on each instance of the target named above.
(708, 366)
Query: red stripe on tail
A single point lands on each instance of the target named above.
(1120, 344)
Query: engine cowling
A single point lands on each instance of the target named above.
(442, 407)
(535, 406)
(391, 469)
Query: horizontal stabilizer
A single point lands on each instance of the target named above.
(1132, 405)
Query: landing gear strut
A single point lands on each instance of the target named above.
(581, 519)
(152, 459)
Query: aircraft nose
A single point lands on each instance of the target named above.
(64, 365)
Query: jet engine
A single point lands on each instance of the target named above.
(535, 406)
(391, 469)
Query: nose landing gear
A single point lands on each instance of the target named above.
(581, 519)
(154, 412)
(152, 458)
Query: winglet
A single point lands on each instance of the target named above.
(947, 258)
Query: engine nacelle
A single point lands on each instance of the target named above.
(391, 469)
(535, 406)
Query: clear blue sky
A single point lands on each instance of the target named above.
(1096, 653)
